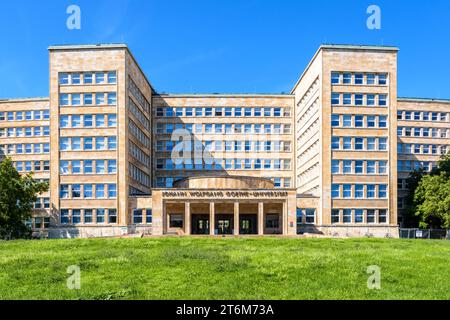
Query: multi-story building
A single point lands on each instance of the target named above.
(329, 157)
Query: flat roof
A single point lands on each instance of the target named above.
(430, 100)
(25, 99)
(223, 95)
(88, 46)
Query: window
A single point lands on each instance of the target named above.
(87, 191)
(137, 216)
(359, 121)
(99, 98)
(382, 79)
(347, 191)
(359, 167)
(64, 144)
(87, 215)
(382, 144)
(299, 216)
(347, 78)
(112, 191)
(382, 216)
(87, 166)
(76, 99)
(359, 191)
(99, 78)
(63, 78)
(382, 121)
(359, 78)
(335, 145)
(100, 167)
(176, 221)
(359, 99)
(359, 216)
(100, 215)
(112, 77)
(335, 99)
(112, 166)
(335, 120)
(370, 167)
(310, 216)
(382, 167)
(382, 191)
(371, 216)
(382, 100)
(347, 143)
(347, 166)
(87, 77)
(112, 216)
(87, 99)
(63, 101)
(335, 78)
(99, 191)
(76, 78)
(370, 191)
(335, 191)
(335, 216)
(112, 143)
(347, 215)
(112, 98)
(335, 167)
(370, 79)
(65, 216)
(370, 144)
(76, 191)
(347, 99)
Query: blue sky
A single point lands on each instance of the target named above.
(227, 46)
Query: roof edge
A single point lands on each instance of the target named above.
(24, 99)
(430, 100)
(342, 47)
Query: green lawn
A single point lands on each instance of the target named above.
(232, 268)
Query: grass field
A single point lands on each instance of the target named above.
(232, 268)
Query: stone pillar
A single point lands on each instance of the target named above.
(187, 218)
(236, 218)
(212, 222)
(261, 218)
(284, 219)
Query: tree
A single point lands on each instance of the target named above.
(432, 201)
(18, 193)
(411, 220)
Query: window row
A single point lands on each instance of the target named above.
(408, 165)
(88, 121)
(67, 167)
(138, 133)
(167, 182)
(142, 216)
(28, 148)
(423, 132)
(358, 216)
(76, 78)
(306, 216)
(434, 149)
(358, 99)
(423, 116)
(209, 128)
(25, 115)
(227, 164)
(359, 143)
(87, 143)
(38, 223)
(139, 154)
(359, 191)
(32, 166)
(42, 203)
(358, 121)
(359, 78)
(88, 216)
(136, 111)
(227, 146)
(358, 167)
(139, 175)
(136, 92)
(88, 191)
(88, 99)
(25, 132)
(223, 112)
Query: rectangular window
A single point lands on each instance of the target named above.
(335, 120)
(99, 78)
(310, 216)
(382, 216)
(335, 145)
(100, 215)
(76, 191)
(100, 191)
(335, 99)
(112, 77)
(112, 166)
(371, 216)
(335, 167)
(87, 166)
(112, 98)
(382, 100)
(64, 216)
(359, 191)
(347, 99)
(335, 78)
(112, 216)
(112, 191)
(87, 99)
(347, 193)
(335, 216)
(359, 78)
(347, 215)
(359, 216)
(99, 98)
(87, 191)
(347, 78)
(382, 191)
(87, 215)
(335, 191)
(137, 216)
(112, 143)
(359, 99)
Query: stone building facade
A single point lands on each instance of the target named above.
(331, 157)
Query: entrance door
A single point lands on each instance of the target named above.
(224, 226)
(248, 224)
(200, 224)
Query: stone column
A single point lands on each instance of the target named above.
(236, 218)
(212, 223)
(261, 218)
(187, 218)
(284, 220)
